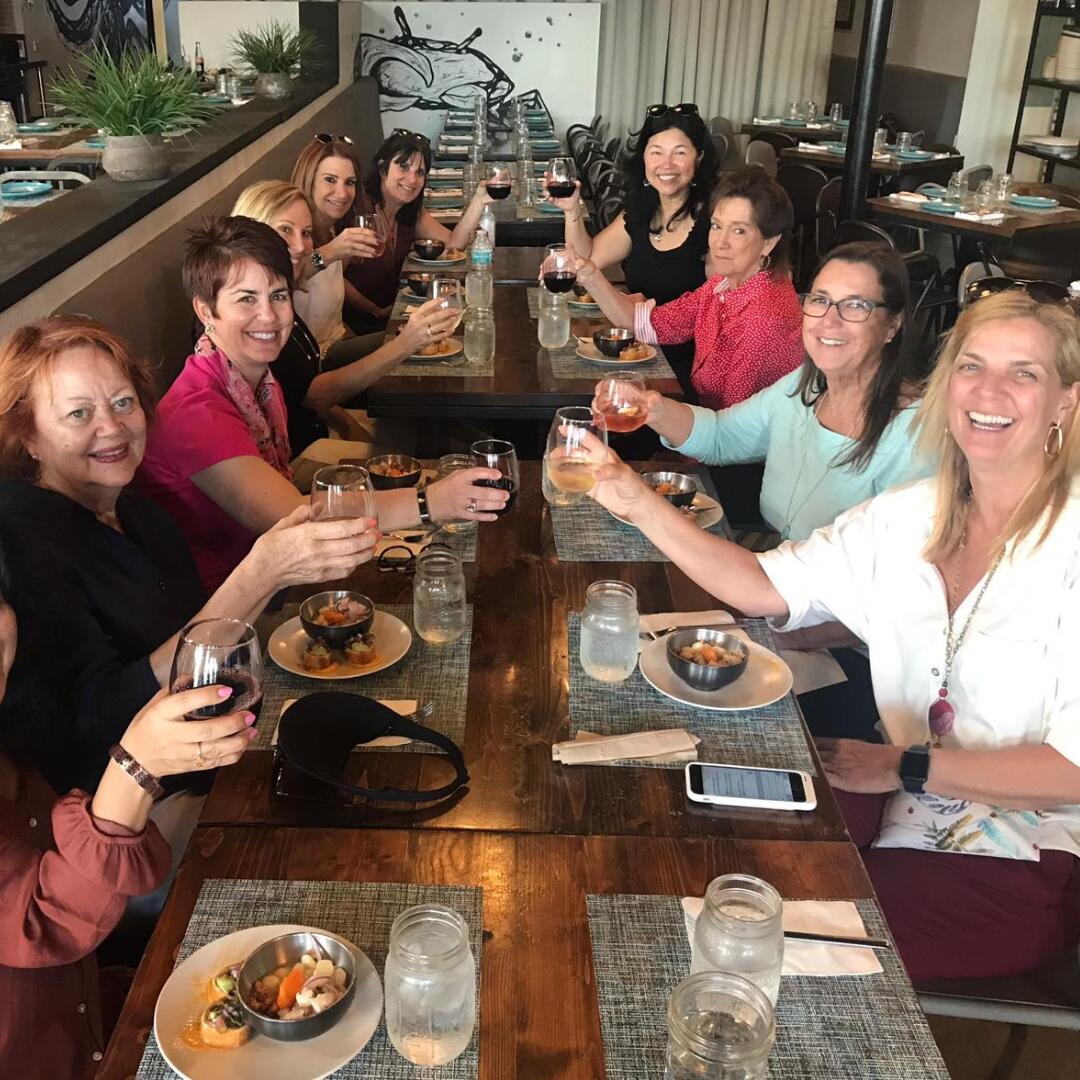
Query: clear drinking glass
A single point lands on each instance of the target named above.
(449, 291)
(439, 595)
(479, 335)
(836, 113)
(740, 930)
(903, 141)
(553, 319)
(792, 111)
(430, 985)
(9, 127)
(576, 448)
(374, 223)
(985, 197)
(557, 269)
(343, 491)
(498, 181)
(449, 463)
(720, 1027)
(810, 110)
(621, 401)
(881, 140)
(219, 652)
(560, 177)
(501, 455)
(957, 186)
(1003, 189)
(609, 631)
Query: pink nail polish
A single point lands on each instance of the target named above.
(249, 718)
(251, 733)
(224, 691)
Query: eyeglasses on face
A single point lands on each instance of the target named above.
(1045, 292)
(686, 108)
(418, 135)
(326, 138)
(853, 309)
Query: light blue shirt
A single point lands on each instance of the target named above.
(803, 488)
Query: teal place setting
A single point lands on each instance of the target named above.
(24, 189)
(96, 142)
(36, 127)
(912, 155)
(933, 190)
(788, 122)
(934, 206)
(834, 147)
(548, 208)
(1033, 202)
(216, 99)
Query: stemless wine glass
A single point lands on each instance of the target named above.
(343, 491)
(374, 223)
(576, 448)
(498, 181)
(621, 401)
(501, 455)
(448, 290)
(557, 269)
(219, 652)
(903, 142)
(560, 177)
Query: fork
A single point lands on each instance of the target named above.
(652, 635)
(422, 712)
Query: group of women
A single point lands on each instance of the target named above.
(930, 534)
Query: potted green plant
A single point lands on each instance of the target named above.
(274, 51)
(132, 99)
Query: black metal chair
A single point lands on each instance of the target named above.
(828, 210)
(846, 232)
(777, 140)
(803, 184)
(721, 125)
(762, 154)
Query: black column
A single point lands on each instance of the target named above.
(864, 106)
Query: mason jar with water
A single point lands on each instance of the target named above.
(740, 930)
(439, 611)
(430, 985)
(609, 631)
(553, 321)
(449, 463)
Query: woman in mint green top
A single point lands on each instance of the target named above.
(837, 431)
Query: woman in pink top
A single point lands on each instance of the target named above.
(745, 321)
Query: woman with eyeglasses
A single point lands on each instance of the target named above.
(965, 586)
(394, 191)
(744, 322)
(661, 234)
(217, 457)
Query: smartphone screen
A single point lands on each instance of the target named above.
(737, 783)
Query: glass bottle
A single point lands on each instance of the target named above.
(954, 193)
(430, 985)
(479, 335)
(609, 631)
(449, 463)
(740, 930)
(439, 595)
(720, 1027)
(553, 320)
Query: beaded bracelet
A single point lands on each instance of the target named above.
(148, 783)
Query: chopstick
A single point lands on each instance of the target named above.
(830, 939)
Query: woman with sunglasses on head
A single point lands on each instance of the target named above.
(218, 455)
(322, 365)
(966, 588)
(394, 191)
(661, 235)
(744, 322)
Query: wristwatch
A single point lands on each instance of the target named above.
(421, 501)
(914, 768)
(318, 261)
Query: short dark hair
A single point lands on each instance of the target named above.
(896, 368)
(398, 148)
(641, 198)
(773, 213)
(220, 244)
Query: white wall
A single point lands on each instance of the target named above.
(214, 22)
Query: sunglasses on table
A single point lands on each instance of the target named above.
(686, 108)
(325, 138)
(1045, 292)
(418, 135)
(853, 309)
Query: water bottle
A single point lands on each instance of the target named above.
(486, 225)
(478, 280)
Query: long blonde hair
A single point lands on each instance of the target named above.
(1048, 495)
(266, 199)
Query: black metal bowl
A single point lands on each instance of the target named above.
(686, 487)
(288, 949)
(703, 676)
(429, 249)
(612, 341)
(417, 282)
(334, 636)
(381, 482)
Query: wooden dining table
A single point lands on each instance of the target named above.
(514, 265)
(1017, 222)
(883, 166)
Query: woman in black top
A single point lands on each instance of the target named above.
(661, 235)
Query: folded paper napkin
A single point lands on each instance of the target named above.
(986, 219)
(840, 918)
(674, 744)
(812, 146)
(402, 708)
(663, 619)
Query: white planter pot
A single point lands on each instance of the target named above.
(135, 157)
(274, 85)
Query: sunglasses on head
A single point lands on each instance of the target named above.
(686, 108)
(326, 138)
(1045, 292)
(418, 135)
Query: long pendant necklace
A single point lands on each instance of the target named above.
(941, 715)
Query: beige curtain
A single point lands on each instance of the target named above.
(798, 49)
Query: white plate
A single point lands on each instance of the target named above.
(709, 513)
(438, 262)
(182, 999)
(393, 639)
(456, 342)
(583, 305)
(591, 352)
(766, 678)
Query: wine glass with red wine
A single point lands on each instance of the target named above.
(501, 455)
(343, 491)
(219, 652)
(557, 269)
(620, 399)
(560, 178)
(498, 181)
(373, 223)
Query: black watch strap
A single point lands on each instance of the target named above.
(915, 768)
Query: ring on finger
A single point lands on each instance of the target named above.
(429, 330)
(200, 761)
(470, 507)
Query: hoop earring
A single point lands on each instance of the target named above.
(766, 261)
(1055, 440)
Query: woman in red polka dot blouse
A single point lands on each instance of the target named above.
(745, 320)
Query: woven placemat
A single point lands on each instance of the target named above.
(770, 738)
(866, 1027)
(566, 364)
(363, 913)
(586, 532)
(593, 315)
(435, 673)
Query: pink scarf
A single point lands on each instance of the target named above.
(261, 409)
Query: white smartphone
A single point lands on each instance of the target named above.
(733, 785)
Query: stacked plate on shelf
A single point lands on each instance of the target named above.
(1061, 145)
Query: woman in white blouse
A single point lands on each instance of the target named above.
(966, 588)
